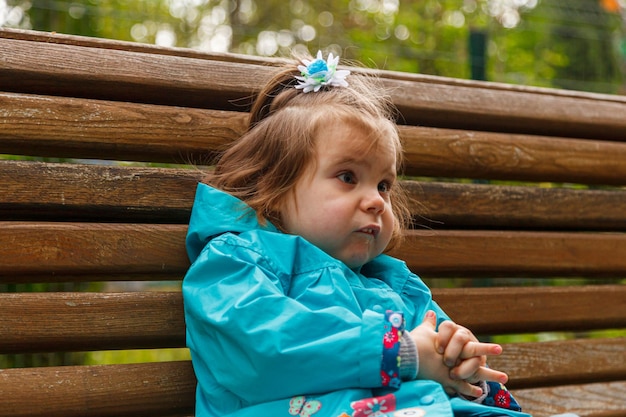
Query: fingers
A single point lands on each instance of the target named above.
(460, 356)
(430, 319)
(466, 370)
(466, 386)
(472, 349)
(488, 374)
(469, 371)
(456, 343)
(445, 332)
(463, 388)
(452, 342)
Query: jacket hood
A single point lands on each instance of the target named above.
(215, 212)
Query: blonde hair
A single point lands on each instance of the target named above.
(262, 167)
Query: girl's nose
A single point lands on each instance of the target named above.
(374, 202)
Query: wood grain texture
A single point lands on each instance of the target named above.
(43, 251)
(484, 155)
(90, 321)
(438, 205)
(502, 108)
(91, 251)
(541, 364)
(497, 253)
(90, 42)
(150, 389)
(108, 71)
(102, 321)
(505, 310)
(53, 191)
(119, 75)
(589, 400)
(81, 128)
(78, 128)
(167, 389)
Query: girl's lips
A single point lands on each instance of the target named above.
(372, 230)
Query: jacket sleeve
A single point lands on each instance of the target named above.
(248, 336)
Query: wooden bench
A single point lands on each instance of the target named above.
(540, 248)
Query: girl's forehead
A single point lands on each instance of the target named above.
(361, 137)
(345, 142)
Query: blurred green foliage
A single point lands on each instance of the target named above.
(136, 356)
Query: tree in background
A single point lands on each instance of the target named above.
(574, 44)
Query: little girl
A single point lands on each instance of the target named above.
(291, 307)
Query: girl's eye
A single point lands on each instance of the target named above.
(384, 187)
(347, 177)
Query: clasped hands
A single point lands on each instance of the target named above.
(454, 357)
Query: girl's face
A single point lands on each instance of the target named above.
(342, 203)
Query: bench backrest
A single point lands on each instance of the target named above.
(510, 183)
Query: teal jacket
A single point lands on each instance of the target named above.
(276, 327)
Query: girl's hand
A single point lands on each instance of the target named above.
(465, 355)
(431, 362)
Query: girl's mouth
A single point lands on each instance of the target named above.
(370, 230)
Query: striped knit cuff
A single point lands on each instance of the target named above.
(408, 358)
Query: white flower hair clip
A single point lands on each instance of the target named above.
(318, 73)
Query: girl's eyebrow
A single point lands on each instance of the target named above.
(348, 160)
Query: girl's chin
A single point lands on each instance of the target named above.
(356, 260)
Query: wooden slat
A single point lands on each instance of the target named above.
(52, 191)
(150, 389)
(91, 251)
(541, 364)
(113, 73)
(100, 321)
(589, 400)
(495, 253)
(439, 205)
(473, 105)
(472, 154)
(71, 391)
(62, 322)
(167, 389)
(535, 309)
(79, 128)
(65, 39)
(41, 251)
